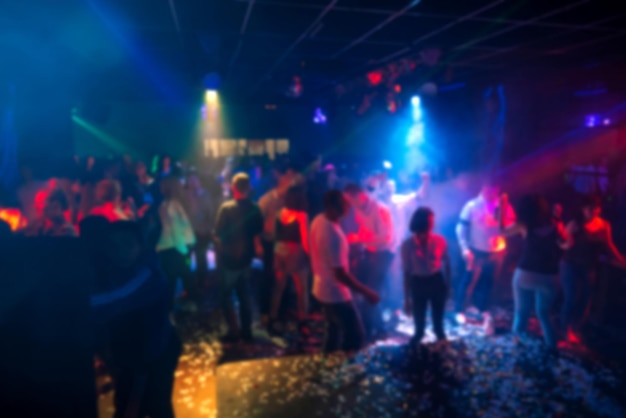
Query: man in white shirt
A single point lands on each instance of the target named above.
(483, 248)
(332, 282)
(377, 236)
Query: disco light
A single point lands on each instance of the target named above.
(375, 78)
(319, 117)
(606, 122)
(387, 165)
(591, 121)
(416, 101)
(210, 96)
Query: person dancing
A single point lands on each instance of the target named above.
(483, 248)
(377, 235)
(426, 268)
(290, 255)
(333, 284)
(535, 276)
(591, 235)
(238, 226)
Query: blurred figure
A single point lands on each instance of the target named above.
(332, 282)
(270, 204)
(164, 167)
(290, 255)
(483, 248)
(144, 186)
(377, 235)
(109, 196)
(591, 236)
(534, 281)
(131, 312)
(53, 222)
(176, 240)
(202, 217)
(427, 274)
(27, 193)
(239, 223)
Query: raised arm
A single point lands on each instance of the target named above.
(303, 219)
(422, 192)
(507, 228)
(463, 228)
(620, 260)
(566, 234)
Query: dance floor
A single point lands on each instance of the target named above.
(475, 375)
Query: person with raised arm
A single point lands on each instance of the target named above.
(534, 281)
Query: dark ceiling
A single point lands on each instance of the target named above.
(258, 46)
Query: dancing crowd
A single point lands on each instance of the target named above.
(340, 240)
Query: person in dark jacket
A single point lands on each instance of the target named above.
(130, 307)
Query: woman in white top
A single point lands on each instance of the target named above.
(426, 268)
(176, 238)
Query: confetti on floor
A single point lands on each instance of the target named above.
(494, 377)
(473, 375)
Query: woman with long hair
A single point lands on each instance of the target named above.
(290, 254)
(534, 281)
(591, 236)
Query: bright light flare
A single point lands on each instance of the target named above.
(416, 101)
(210, 96)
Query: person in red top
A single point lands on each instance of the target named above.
(109, 196)
(376, 234)
(54, 222)
(426, 267)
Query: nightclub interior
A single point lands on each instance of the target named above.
(312, 208)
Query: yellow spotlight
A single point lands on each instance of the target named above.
(210, 96)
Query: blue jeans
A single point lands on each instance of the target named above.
(576, 283)
(237, 281)
(538, 289)
(476, 285)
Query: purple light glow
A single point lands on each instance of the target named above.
(606, 122)
(591, 121)
(319, 117)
